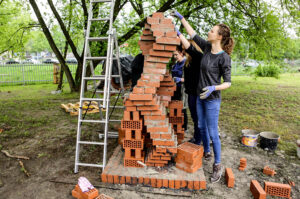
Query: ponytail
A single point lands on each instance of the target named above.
(227, 42)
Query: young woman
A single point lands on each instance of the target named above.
(216, 63)
(191, 73)
(177, 74)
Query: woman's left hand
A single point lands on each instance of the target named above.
(207, 91)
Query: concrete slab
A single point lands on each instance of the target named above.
(172, 177)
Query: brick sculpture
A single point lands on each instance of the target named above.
(277, 189)
(243, 164)
(257, 191)
(268, 171)
(145, 120)
(189, 157)
(229, 177)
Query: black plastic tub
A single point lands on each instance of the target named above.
(268, 140)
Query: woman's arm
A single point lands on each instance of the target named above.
(188, 28)
(223, 86)
(184, 41)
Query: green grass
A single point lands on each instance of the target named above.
(265, 104)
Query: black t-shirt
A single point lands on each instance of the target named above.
(191, 72)
(212, 68)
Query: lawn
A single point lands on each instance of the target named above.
(265, 104)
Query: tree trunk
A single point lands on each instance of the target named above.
(53, 45)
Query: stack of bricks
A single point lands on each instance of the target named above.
(243, 164)
(277, 189)
(150, 97)
(133, 142)
(189, 157)
(268, 171)
(176, 118)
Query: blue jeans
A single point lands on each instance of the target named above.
(208, 114)
(192, 102)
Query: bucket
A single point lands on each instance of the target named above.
(249, 137)
(268, 140)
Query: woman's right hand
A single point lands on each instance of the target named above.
(174, 13)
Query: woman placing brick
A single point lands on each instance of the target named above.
(216, 63)
(191, 71)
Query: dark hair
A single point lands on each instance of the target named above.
(179, 48)
(227, 41)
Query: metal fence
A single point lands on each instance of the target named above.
(13, 74)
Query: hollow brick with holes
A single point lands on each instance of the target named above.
(278, 189)
(257, 191)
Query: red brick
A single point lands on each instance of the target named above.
(161, 149)
(155, 65)
(196, 185)
(229, 177)
(134, 180)
(170, 47)
(148, 108)
(122, 179)
(148, 38)
(140, 96)
(177, 184)
(138, 90)
(277, 189)
(147, 26)
(167, 40)
(154, 70)
(190, 184)
(256, 190)
(155, 135)
(166, 21)
(165, 183)
(146, 181)
(268, 171)
(160, 54)
(158, 33)
(159, 183)
(75, 194)
(150, 90)
(159, 47)
(165, 27)
(154, 117)
(104, 177)
(110, 179)
(171, 184)
(202, 184)
(147, 32)
(116, 179)
(158, 59)
(183, 184)
(158, 15)
(130, 108)
(141, 180)
(171, 34)
(153, 182)
(128, 179)
(151, 20)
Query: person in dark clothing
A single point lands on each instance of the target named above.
(177, 72)
(191, 74)
(137, 67)
(216, 63)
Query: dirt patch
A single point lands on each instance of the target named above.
(51, 149)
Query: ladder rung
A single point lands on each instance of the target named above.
(94, 78)
(98, 121)
(97, 58)
(89, 165)
(97, 38)
(100, 19)
(101, 1)
(86, 142)
(101, 91)
(91, 99)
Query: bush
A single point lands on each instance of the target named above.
(267, 70)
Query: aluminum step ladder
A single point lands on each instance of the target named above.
(103, 97)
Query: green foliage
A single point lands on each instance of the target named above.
(15, 25)
(267, 70)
